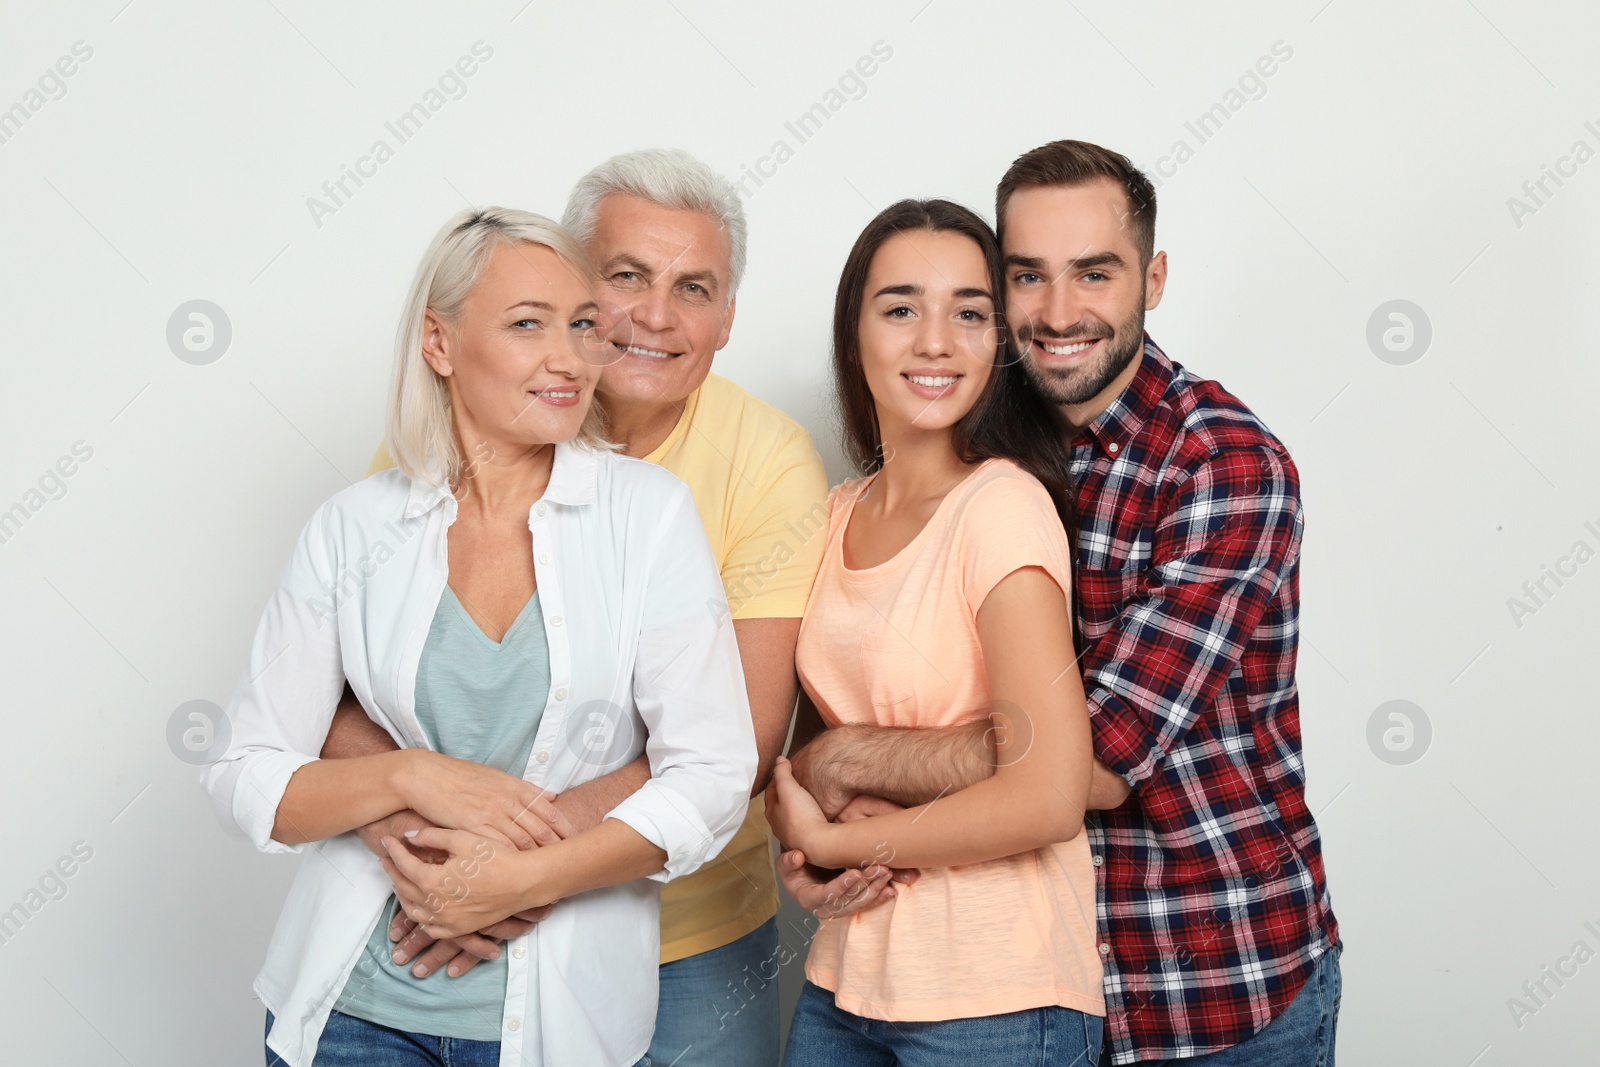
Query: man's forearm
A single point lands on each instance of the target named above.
(914, 766)
(586, 805)
(909, 766)
(353, 734)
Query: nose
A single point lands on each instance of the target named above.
(567, 359)
(654, 310)
(1061, 309)
(935, 337)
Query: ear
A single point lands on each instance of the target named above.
(436, 343)
(1155, 280)
(727, 324)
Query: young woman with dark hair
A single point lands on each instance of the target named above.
(944, 602)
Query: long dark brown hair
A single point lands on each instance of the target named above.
(1009, 420)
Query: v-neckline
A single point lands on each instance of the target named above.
(466, 616)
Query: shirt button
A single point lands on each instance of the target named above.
(518, 952)
(543, 757)
(539, 509)
(513, 1024)
(1105, 949)
(1113, 448)
(544, 558)
(1099, 861)
(555, 620)
(561, 693)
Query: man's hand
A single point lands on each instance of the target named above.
(865, 806)
(835, 898)
(1107, 788)
(459, 954)
(396, 825)
(815, 767)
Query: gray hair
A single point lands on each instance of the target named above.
(672, 178)
(420, 433)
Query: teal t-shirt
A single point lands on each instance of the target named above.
(478, 700)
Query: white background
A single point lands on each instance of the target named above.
(1375, 166)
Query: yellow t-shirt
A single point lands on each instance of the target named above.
(762, 495)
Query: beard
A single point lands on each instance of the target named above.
(1078, 385)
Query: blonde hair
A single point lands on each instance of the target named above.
(420, 427)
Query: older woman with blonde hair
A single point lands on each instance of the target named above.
(522, 610)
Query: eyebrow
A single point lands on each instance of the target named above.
(588, 305)
(626, 259)
(623, 259)
(1099, 259)
(917, 290)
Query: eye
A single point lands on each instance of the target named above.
(527, 324)
(584, 324)
(695, 287)
(1027, 277)
(1095, 275)
(973, 315)
(899, 311)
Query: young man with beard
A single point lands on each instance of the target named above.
(668, 236)
(1216, 931)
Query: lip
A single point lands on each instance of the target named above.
(544, 396)
(932, 392)
(1072, 360)
(648, 355)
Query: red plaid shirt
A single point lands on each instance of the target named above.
(1213, 905)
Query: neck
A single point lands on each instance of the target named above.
(918, 464)
(641, 425)
(505, 481)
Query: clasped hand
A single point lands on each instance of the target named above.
(497, 808)
(798, 803)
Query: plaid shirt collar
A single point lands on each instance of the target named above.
(1120, 423)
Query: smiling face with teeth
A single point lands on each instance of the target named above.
(1077, 289)
(928, 335)
(664, 277)
(520, 359)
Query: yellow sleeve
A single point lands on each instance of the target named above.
(381, 460)
(776, 548)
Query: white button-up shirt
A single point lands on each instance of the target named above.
(642, 659)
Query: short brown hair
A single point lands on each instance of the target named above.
(1079, 163)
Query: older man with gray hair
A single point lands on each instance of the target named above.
(667, 234)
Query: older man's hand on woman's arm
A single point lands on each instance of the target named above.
(549, 818)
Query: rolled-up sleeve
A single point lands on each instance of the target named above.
(688, 686)
(279, 714)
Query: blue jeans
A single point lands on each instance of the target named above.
(720, 1008)
(1301, 1037)
(824, 1035)
(351, 1042)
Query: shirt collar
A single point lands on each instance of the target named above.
(574, 475)
(1118, 424)
(574, 480)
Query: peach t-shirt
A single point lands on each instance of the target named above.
(897, 645)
